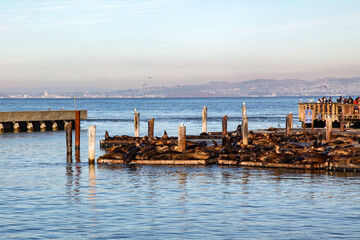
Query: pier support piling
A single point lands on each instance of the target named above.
(342, 122)
(244, 129)
(151, 123)
(54, 126)
(69, 142)
(42, 127)
(30, 127)
(289, 124)
(224, 125)
(92, 134)
(77, 132)
(182, 138)
(136, 124)
(16, 127)
(328, 128)
(204, 119)
(1, 128)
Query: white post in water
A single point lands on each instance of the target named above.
(136, 123)
(181, 138)
(92, 134)
(204, 119)
(244, 109)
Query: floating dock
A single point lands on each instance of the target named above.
(28, 121)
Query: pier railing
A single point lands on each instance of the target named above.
(320, 111)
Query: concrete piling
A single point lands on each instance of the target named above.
(54, 126)
(16, 127)
(42, 127)
(1, 128)
(30, 127)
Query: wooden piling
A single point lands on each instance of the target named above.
(245, 130)
(1, 128)
(77, 131)
(69, 142)
(289, 120)
(342, 122)
(244, 110)
(224, 125)
(181, 138)
(204, 119)
(151, 123)
(92, 134)
(136, 124)
(328, 128)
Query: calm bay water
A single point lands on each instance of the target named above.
(43, 197)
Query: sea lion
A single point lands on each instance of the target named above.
(131, 155)
(106, 135)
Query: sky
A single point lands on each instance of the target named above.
(120, 44)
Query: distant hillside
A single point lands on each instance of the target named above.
(251, 88)
(254, 88)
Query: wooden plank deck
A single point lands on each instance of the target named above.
(161, 162)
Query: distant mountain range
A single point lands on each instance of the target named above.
(252, 88)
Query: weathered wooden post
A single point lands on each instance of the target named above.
(151, 129)
(244, 110)
(204, 119)
(245, 130)
(16, 127)
(289, 120)
(30, 127)
(182, 138)
(2, 128)
(136, 123)
(42, 127)
(92, 134)
(342, 120)
(77, 131)
(224, 125)
(69, 142)
(328, 128)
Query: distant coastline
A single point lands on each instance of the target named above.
(252, 88)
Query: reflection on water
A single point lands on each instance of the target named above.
(42, 196)
(73, 177)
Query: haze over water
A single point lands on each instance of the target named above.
(43, 197)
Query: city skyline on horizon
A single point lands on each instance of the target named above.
(125, 44)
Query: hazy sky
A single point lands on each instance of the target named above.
(121, 43)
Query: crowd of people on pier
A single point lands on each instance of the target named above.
(341, 99)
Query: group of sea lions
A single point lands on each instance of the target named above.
(275, 147)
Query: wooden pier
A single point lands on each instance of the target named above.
(28, 121)
(320, 111)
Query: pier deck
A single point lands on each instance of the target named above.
(37, 120)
